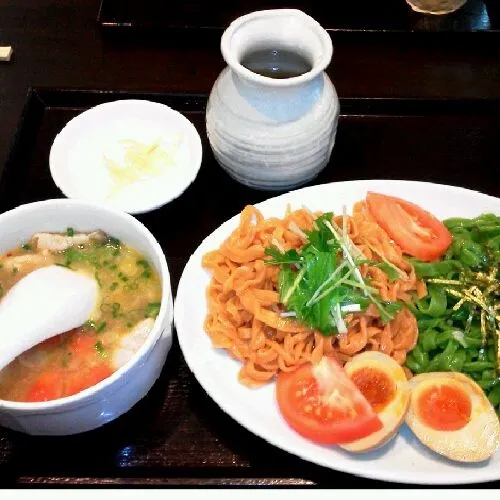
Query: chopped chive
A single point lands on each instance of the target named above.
(113, 286)
(101, 327)
(70, 231)
(122, 276)
(71, 254)
(143, 263)
(115, 242)
(1, 290)
(115, 309)
(113, 267)
(152, 310)
(129, 325)
(146, 274)
(89, 324)
(26, 246)
(100, 349)
(14, 270)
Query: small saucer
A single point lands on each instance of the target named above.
(132, 155)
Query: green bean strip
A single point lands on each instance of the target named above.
(451, 336)
(436, 306)
(478, 366)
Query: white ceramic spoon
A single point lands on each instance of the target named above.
(45, 303)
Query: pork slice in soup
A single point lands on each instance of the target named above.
(130, 296)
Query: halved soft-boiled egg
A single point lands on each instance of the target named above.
(384, 385)
(451, 415)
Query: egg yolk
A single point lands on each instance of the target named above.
(375, 385)
(444, 407)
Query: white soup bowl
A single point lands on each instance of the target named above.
(115, 395)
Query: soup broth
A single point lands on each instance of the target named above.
(276, 63)
(130, 295)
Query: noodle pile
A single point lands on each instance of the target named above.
(244, 313)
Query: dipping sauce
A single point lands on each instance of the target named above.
(130, 296)
(276, 63)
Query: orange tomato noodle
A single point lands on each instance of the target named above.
(244, 312)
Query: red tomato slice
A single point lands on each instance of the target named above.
(322, 403)
(416, 231)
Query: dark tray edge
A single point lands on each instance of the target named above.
(196, 102)
(25, 130)
(113, 26)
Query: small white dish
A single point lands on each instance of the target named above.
(88, 157)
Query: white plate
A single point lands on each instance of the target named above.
(404, 459)
(77, 157)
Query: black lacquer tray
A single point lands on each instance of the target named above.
(177, 435)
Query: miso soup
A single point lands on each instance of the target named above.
(130, 296)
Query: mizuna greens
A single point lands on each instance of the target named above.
(322, 283)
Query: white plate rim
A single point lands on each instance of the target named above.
(238, 413)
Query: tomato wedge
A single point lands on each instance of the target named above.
(416, 231)
(322, 404)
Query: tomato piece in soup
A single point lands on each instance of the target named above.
(46, 387)
(82, 344)
(81, 380)
(80, 351)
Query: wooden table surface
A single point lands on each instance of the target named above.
(59, 45)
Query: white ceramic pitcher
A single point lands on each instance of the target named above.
(271, 133)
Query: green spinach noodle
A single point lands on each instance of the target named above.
(459, 319)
